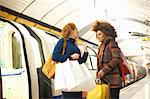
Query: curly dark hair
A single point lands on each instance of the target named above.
(105, 27)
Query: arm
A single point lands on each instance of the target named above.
(77, 54)
(83, 58)
(115, 59)
(57, 53)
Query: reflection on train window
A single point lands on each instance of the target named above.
(17, 60)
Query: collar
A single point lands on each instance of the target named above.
(72, 40)
(107, 40)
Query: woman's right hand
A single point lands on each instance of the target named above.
(75, 56)
(100, 74)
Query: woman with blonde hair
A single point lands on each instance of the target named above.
(70, 34)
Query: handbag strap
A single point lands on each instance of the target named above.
(64, 46)
(63, 51)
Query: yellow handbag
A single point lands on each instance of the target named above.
(49, 67)
(101, 91)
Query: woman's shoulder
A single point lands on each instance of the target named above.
(113, 44)
(61, 40)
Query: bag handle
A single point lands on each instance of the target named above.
(64, 46)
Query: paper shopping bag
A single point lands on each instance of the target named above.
(101, 91)
(71, 76)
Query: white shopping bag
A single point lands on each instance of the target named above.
(55, 92)
(90, 80)
(78, 78)
(87, 82)
(60, 83)
(71, 76)
(65, 77)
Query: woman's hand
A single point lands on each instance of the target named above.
(85, 47)
(100, 74)
(75, 56)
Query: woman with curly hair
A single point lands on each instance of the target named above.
(108, 57)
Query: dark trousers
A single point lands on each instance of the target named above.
(72, 95)
(114, 92)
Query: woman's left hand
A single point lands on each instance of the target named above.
(84, 46)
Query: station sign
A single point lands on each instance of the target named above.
(145, 38)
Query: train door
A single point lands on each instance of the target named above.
(45, 86)
(33, 58)
(13, 65)
(48, 41)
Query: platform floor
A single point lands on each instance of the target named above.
(138, 90)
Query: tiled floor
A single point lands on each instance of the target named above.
(138, 90)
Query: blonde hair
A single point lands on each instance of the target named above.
(70, 27)
(74, 28)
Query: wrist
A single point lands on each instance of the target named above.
(101, 73)
(85, 50)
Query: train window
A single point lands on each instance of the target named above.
(6, 52)
(10, 51)
(17, 59)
